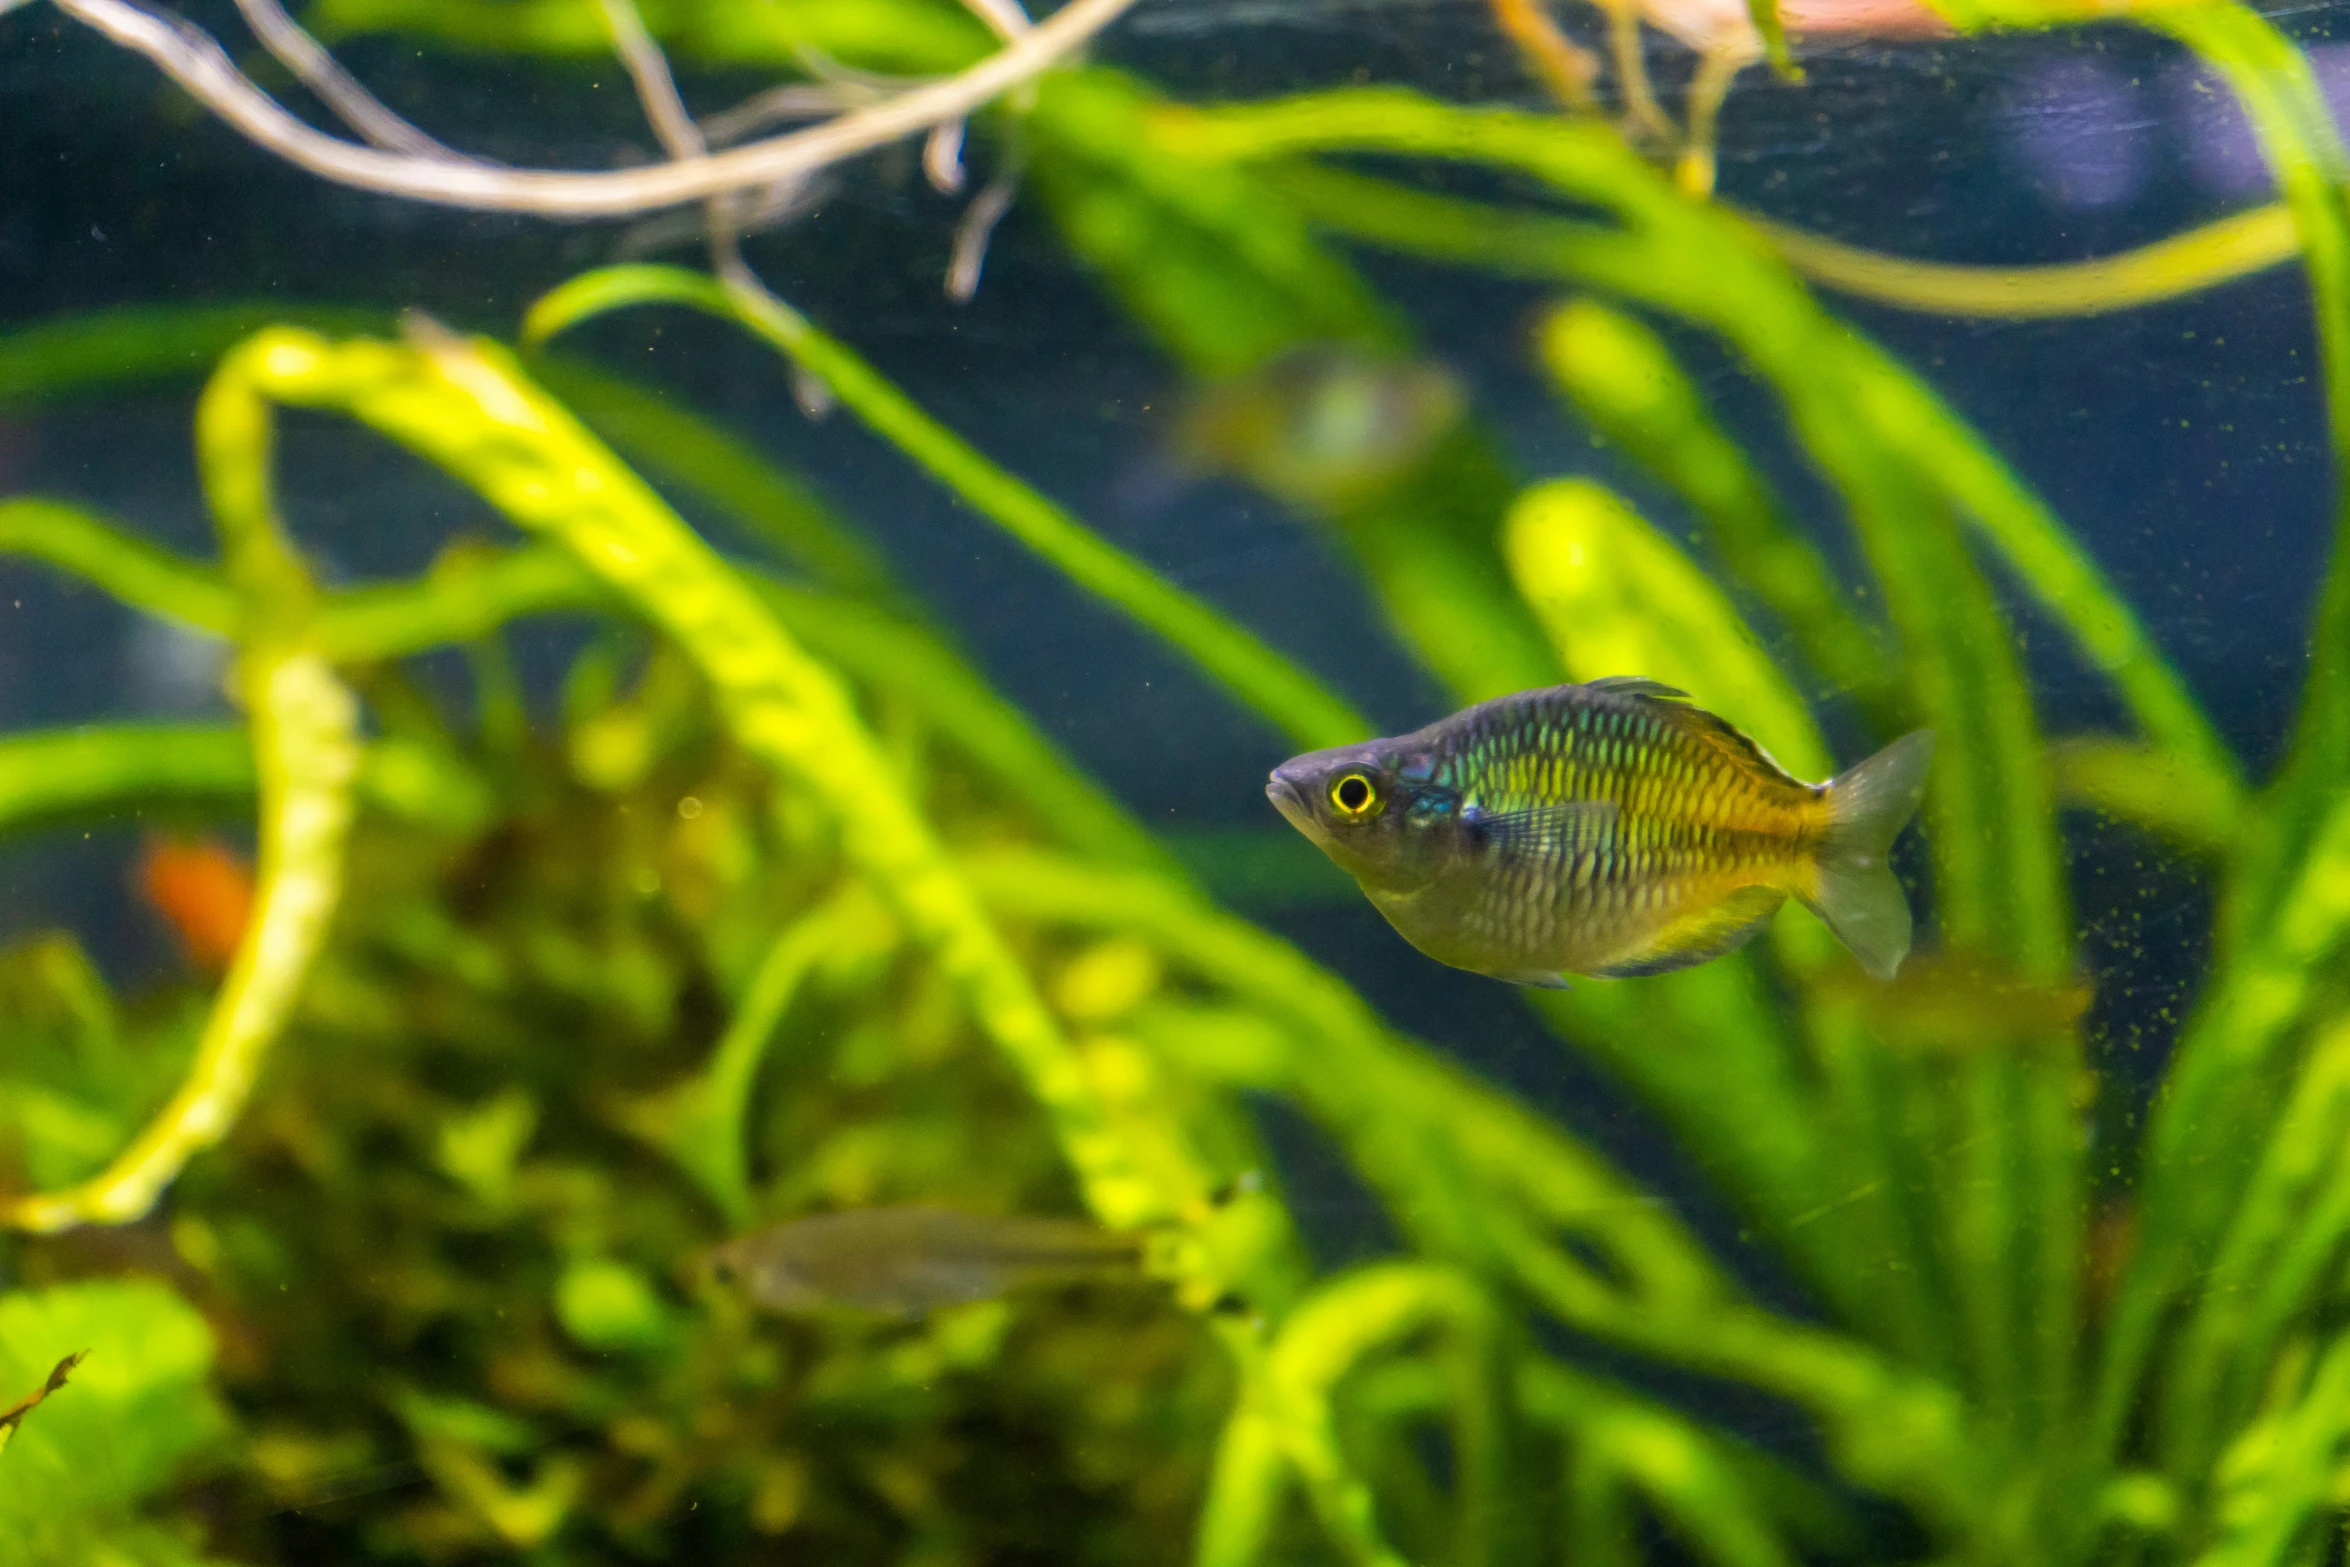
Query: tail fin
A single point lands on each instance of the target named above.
(1853, 888)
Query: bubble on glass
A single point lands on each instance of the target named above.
(2080, 130)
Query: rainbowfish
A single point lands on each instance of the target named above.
(1323, 425)
(906, 1261)
(1608, 829)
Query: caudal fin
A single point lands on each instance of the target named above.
(1853, 888)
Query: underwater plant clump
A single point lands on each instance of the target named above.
(439, 1206)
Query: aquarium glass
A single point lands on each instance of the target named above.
(1360, 782)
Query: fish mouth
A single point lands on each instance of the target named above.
(1290, 801)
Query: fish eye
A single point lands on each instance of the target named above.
(1353, 797)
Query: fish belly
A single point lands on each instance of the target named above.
(1589, 920)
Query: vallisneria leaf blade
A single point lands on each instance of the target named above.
(136, 344)
(48, 776)
(2230, 1072)
(2150, 788)
(2277, 1478)
(306, 756)
(143, 575)
(1331, 1333)
(897, 37)
(2209, 1382)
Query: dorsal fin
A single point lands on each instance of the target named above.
(1636, 685)
(1678, 708)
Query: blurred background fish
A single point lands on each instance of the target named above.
(906, 1261)
(1953, 1003)
(204, 891)
(1321, 426)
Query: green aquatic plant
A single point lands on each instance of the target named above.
(788, 910)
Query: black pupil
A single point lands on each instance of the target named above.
(1354, 794)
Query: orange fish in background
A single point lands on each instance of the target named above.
(204, 891)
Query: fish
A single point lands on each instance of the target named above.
(1323, 426)
(204, 891)
(909, 1260)
(1609, 829)
(1954, 1003)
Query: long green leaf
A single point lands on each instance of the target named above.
(132, 344)
(306, 757)
(2301, 1157)
(2231, 1070)
(1620, 598)
(2278, 1479)
(901, 37)
(69, 774)
(142, 575)
(2279, 916)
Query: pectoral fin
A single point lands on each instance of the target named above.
(1546, 830)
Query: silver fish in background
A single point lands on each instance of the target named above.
(906, 1261)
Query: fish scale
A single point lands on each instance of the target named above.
(1607, 828)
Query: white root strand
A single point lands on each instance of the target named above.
(190, 57)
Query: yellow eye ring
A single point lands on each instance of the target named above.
(1353, 797)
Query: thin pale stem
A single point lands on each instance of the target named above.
(987, 209)
(190, 57)
(1717, 68)
(792, 101)
(1646, 116)
(337, 88)
(674, 127)
(1567, 69)
(1004, 18)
